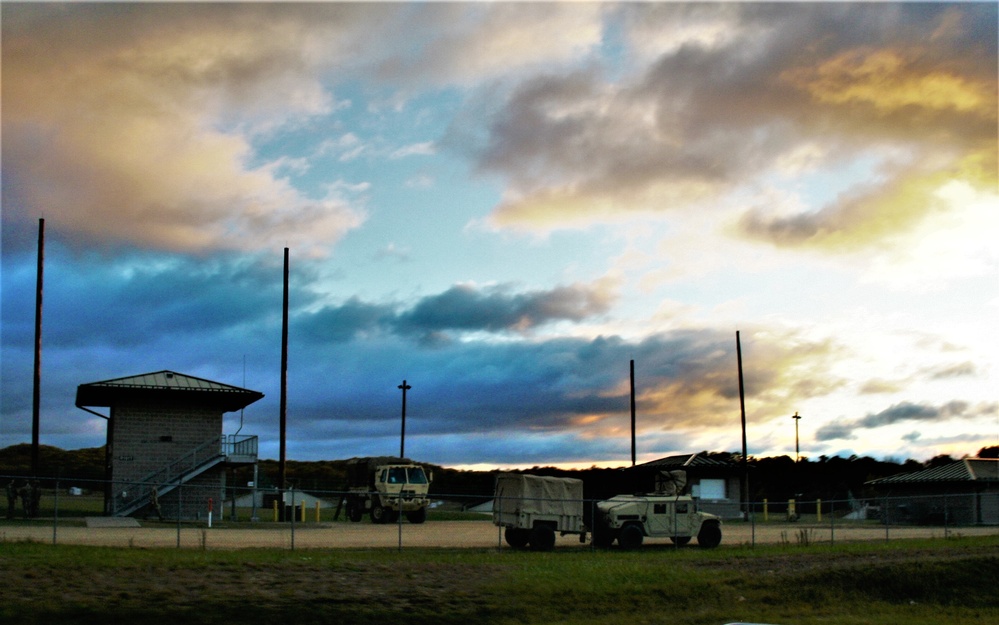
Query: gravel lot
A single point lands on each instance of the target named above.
(442, 534)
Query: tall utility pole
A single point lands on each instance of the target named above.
(742, 409)
(797, 450)
(632, 413)
(402, 439)
(36, 394)
(284, 375)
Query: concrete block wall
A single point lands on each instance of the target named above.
(146, 438)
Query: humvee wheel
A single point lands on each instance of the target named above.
(630, 537)
(417, 516)
(680, 541)
(710, 536)
(517, 537)
(542, 538)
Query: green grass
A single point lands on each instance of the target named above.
(931, 582)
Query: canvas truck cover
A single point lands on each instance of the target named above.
(534, 494)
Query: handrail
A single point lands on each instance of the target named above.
(218, 447)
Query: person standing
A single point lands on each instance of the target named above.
(154, 501)
(25, 493)
(11, 499)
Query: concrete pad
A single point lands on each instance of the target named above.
(112, 521)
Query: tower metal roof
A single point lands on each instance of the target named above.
(165, 384)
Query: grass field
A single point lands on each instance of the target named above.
(904, 582)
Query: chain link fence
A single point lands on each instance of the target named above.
(73, 511)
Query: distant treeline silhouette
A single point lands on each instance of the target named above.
(774, 478)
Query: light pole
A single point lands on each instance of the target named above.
(797, 451)
(402, 439)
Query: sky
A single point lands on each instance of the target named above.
(504, 204)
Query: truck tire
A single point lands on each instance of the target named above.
(354, 511)
(517, 537)
(542, 538)
(710, 535)
(631, 537)
(379, 514)
(417, 516)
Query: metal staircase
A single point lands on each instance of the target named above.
(228, 449)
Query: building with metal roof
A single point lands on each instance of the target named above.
(964, 492)
(165, 444)
(717, 484)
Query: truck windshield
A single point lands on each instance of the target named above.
(416, 476)
(397, 475)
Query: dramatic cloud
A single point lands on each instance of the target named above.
(462, 308)
(504, 204)
(145, 142)
(737, 104)
(903, 413)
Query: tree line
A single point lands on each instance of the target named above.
(774, 478)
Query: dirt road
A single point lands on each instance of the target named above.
(441, 534)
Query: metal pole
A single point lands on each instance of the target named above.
(55, 503)
(632, 413)
(402, 439)
(282, 475)
(36, 394)
(797, 451)
(180, 501)
(742, 410)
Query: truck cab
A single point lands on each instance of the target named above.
(386, 487)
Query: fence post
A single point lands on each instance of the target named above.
(886, 516)
(766, 511)
(499, 527)
(818, 510)
(292, 517)
(946, 511)
(398, 515)
(752, 517)
(55, 513)
(593, 522)
(832, 522)
(180, 507)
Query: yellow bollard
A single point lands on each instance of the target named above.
(766, 516)
(317, 511)
(275, 511)
(818, 510)
(792, 513)
(301, 514)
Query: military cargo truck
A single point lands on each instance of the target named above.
(386, 487)
(666, 513)
(533, 508)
